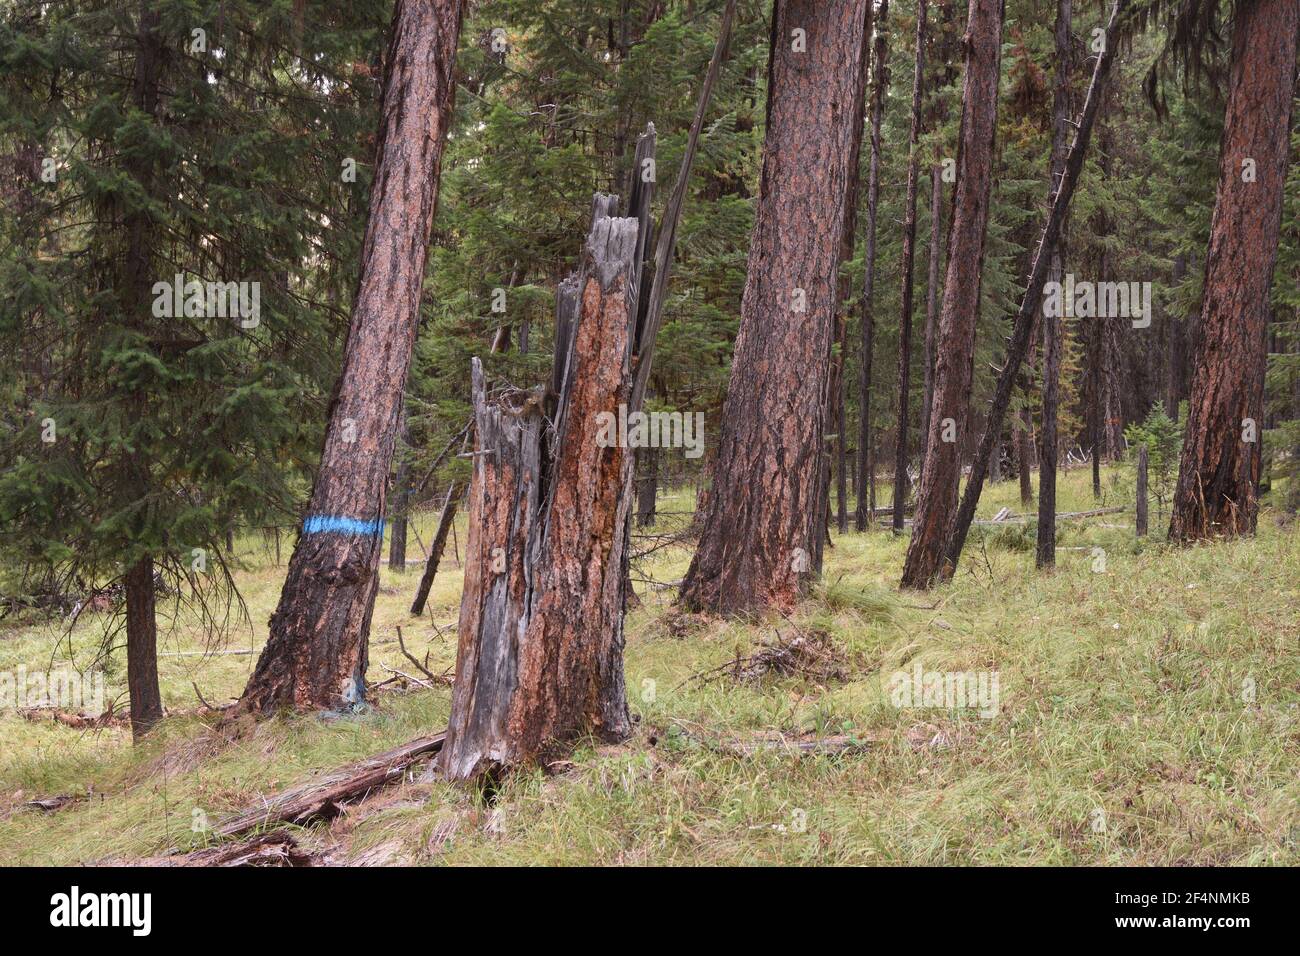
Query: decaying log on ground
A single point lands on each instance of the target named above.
(265, 849)
(540, 654)
(322, 797)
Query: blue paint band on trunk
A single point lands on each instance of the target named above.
(331, 524)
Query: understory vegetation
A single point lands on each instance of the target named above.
(1147, 714)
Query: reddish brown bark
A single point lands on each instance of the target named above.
(937, 497)
(1218, 477)
(836, 399)
(866, 483)
(763, 535)
(317, 652)
(901, 484)
(540, 653)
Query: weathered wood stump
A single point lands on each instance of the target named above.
(540, 654)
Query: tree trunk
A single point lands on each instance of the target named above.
(1218, 475)
(1054, 326)
(961, 295)
(838, 400)
(647, 488)
(436, 548)
(1024, 458)
(401, 507)
(763, 535)
(866, 489)
(317, 652)
(1032, 301)
(1176, 381)
(141, 625)
(540, 653)
(142, 648)
(901, 487)
(932, 301)
(1142, 491)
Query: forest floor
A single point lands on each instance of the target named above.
(1147, 713)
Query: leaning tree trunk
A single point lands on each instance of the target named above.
(1218, 475)
(937, 496)
(909, 259)
(540, 652)
(763, 535)
(1032, 301)
(1054, 326)
(866, 484)
(436, 548)
(317, 652)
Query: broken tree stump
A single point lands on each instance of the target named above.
(540, 647)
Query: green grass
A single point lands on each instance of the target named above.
(1121, 703)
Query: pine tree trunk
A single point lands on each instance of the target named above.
(901, 486)
(1031, 302)
(436, 548)
(866, 489)
(401, 507)
(647, 488)
(1218, 476)
(838, 389)
(141, 625)
(1024, 458)
(1142, 491)
(937, 496)
(1053, 326)
(142, 648)
(932, 302)
(763, 535)
(317, 652)
(540, 653)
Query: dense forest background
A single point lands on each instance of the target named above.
(134, 440)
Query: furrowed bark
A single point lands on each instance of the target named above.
(1033, 297)
(763, 535)
(317, 652)
(961, 294)
(540, 653)
(866, 489)
(1218, 474)
(909, 259)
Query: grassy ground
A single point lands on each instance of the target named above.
(1126, 731)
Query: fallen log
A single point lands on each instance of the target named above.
(265, 849)
(324, 796)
